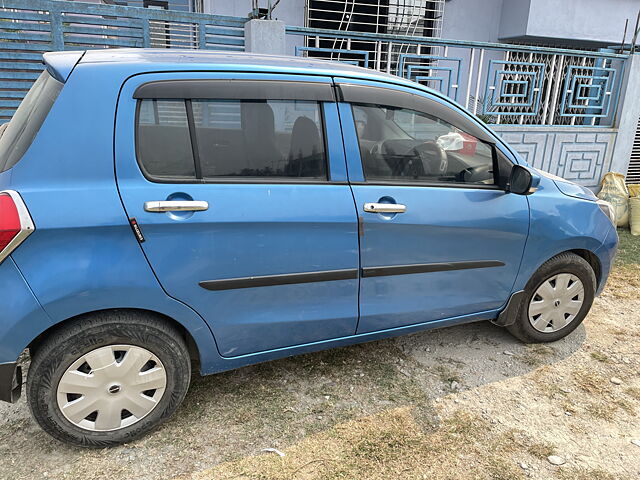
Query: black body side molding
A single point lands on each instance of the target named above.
(427, 268)
(345, 274)
(283, 279)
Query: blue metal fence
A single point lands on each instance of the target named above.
(501, 83)
(30, 28)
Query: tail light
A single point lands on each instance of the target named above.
(15, 222)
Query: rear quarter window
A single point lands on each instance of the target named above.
(20, 132)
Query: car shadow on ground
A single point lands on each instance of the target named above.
(280, 402)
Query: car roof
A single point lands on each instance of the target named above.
(148, 59)
(217, 58)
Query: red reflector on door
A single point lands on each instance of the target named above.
(9, 220)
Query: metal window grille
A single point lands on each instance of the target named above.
(416, 18)
(399, 17)
(554, 69)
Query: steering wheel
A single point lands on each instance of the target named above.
(434, 159)
(479, 174)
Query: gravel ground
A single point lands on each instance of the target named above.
(576, 399)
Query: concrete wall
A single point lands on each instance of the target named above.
(290, 12)
(560, 22)
(514, 18)
(628, 116)
(578, 154)
(567, 22)
(472, 19)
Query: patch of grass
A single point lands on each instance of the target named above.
(628, 249)
(600, 410)
(591, 382)
(447, 375)
(536, 354)
(626, 406)
(633, 392)
(618, 331)
(586, 474)
(541, 450)
(281, 402)
(383, 446)
(600, 357)
(624, 281)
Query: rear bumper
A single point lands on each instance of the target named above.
(10, 382)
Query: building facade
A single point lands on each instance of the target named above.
(557, 79)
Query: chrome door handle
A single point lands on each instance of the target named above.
(176, 206)
(384, 208)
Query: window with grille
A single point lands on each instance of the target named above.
(421, 18)
(417, 18)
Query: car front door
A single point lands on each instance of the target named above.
(237, 184)
(440, 237)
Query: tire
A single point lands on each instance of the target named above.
(562, 267)
(128, 338)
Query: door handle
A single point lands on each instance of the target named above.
(176, 206)
(385, 208)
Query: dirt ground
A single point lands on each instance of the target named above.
(464, 402)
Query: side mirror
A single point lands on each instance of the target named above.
(523, 181)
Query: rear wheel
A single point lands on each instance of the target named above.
(108, 378)
(557, 299)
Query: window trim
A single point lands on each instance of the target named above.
(231, 180)
(405, 183)
(231, 89)
(402, 183)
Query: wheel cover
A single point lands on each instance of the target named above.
(556, 302)
(111, 387)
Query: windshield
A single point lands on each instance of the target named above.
(27, 120)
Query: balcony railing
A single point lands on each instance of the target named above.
(502, 84)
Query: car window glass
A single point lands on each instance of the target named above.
(275, 138)
(231, 138)
(164, 144)
(20, 132)
(400, 144)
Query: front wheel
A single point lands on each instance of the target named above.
(108, 378)
(557, 299)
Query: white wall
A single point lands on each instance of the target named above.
(472, 20)
(568, 21)
(290, 12)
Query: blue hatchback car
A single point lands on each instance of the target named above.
(162, 208)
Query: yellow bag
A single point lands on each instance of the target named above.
(634, 204)
(634, 190)
(615, 192)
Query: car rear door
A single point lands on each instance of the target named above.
(440, 238)
(236, 184)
